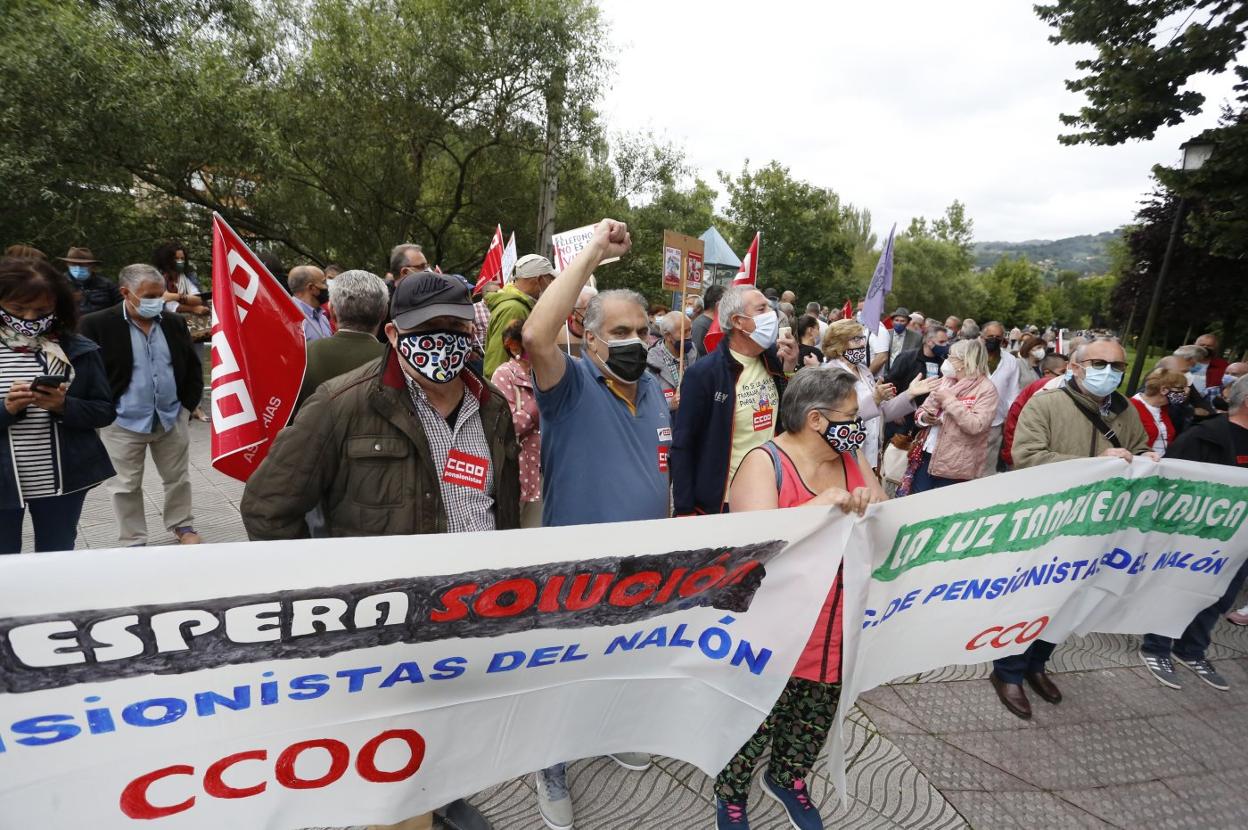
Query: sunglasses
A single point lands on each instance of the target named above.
(1116, 365)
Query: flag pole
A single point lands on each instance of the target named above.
(683, 300)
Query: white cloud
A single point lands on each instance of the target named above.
(900, 108)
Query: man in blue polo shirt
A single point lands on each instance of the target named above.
(606, 432)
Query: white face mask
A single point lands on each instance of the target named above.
(766, 329)
(1038, 354)
(947, 370)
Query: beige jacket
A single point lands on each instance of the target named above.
(1051, 428)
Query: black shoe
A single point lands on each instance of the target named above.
(460, 815)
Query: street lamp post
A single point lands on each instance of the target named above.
(1195, 154)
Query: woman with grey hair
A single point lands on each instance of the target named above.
(816, 460)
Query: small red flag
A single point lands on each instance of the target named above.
(259, 355)
(748, 273)
(492, 268)
(847, 313)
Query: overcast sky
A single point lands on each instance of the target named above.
(899, 107)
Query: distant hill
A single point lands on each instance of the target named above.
(1088, 254)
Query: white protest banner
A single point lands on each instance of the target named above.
(347, 681)
(355, 681)
(570, 243)
(980, 570)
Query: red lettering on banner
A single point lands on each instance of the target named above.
(136, 803)
(1002, 636)
(217, 788)
(465, 469)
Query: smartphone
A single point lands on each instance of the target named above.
(785, 331)
(49, 381)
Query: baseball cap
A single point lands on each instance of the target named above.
(533, 265)
(421, 297)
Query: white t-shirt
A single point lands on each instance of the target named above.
(1163, 438)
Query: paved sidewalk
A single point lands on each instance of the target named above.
(933, 751)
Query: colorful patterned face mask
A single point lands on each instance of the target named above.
(438, 356)
(27, 328)
(845, 436)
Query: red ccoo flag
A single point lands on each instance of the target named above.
(748, 273)
(258, 355)
(492, 268)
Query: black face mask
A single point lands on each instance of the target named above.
(940, 352)
(992, 344)
(626, 359)
(322, 296)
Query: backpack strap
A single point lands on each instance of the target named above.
(1098, 423)
(774, 452)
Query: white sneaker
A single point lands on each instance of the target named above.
(636, 761)
(554, 802)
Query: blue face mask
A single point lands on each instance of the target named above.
(1101, 382)
(79, 272)
(898, 328)
(940, 352)
(150, 307)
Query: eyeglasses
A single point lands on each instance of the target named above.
(859, 339)
(1116, 365)
(848, 415)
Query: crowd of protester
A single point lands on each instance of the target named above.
(434, 405)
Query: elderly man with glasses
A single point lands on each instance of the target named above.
(1084, 417)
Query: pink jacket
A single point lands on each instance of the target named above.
(963, 439)
(516, 384)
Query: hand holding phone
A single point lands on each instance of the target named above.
(49, 382)
(49, 392)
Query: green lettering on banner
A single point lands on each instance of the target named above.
(1204, 509)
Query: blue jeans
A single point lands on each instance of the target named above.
(55, 519)
(923, 479)
(1011, 669)
(1195, 640)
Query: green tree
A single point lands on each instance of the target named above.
(805, 247)
(684, 210)
(333, 128)
(1138, 82)
(932, 267)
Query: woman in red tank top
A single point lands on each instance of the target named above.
(814, 461)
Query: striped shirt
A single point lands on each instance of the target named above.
(32, 438)
(469, 506)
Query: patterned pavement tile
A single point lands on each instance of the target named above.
(1047, 809)
(1124, 752)
(1028, 755)
(981, 809)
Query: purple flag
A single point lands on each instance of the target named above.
(881, 283)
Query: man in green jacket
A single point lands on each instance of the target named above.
(533, 274)
(359, 301)
(1080, 416)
